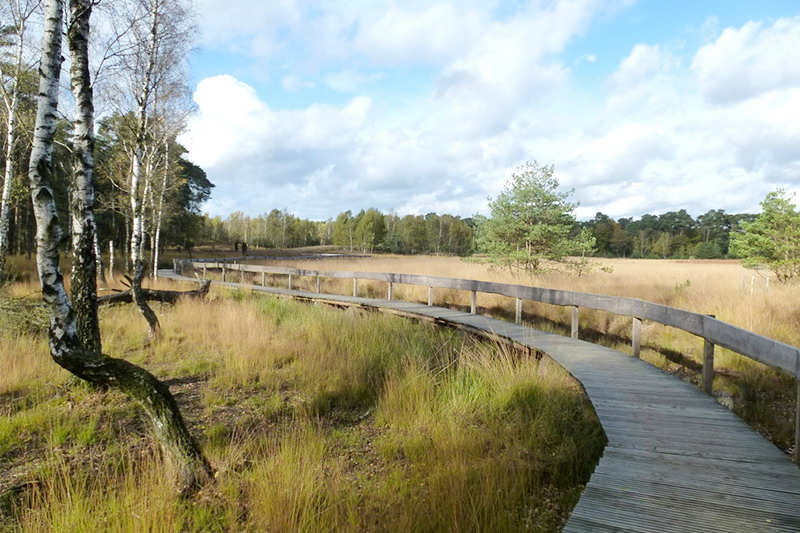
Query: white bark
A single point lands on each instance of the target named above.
(111, 259)
(63, 330)
(137, 209)
(160, 210)
(84, 227)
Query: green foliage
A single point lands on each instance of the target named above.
(773, 239)
(531, 222)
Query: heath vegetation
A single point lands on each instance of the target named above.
(315, 419)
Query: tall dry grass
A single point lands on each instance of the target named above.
(742, 297)
(313, 418)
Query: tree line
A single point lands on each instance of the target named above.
(674, 234)
(367, 231)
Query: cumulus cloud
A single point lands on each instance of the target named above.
(747, 61)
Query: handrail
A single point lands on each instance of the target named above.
(757, 347)
(768, 351)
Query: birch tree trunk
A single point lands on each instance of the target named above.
(84, 229)
(137, 209)
(66, 347)
(160, 210)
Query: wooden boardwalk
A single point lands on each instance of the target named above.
(676, 460)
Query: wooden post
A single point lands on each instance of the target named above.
(355, 287)
(636, 337)
(518, 311)
(241, 274)
(575, 322)
(797, 412)
(291, 285)
(430, 296)
(708, 364)
(473, 302)
(205, 271)
(390, 291)
(224, 271)
(263, 279)
(318, 284)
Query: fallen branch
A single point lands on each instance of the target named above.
(167, 297)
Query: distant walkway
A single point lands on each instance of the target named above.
(676, 460)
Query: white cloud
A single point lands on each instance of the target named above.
(350, 80)
(402, 35)
(293, 83)
(750, 60)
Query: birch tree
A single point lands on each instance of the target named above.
(66, 346)
(157, 48)
(20, 13)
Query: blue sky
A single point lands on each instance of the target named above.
(419, 106)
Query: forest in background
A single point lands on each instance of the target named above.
(674, 234)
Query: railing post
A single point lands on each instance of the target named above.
(636, 336)
(473, 302)
(708, 364)
(241, 274)
(575, 322)
(263, 279)
(390, 291)
(291, 285)
(430, 296)
(205, 271)
(318, 285)
(518, 311)
(355, 287)
(797, 412)
(224, 271)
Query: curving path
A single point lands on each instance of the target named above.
(676, 460)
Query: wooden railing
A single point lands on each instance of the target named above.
(714, 332)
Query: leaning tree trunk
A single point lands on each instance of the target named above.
(137, 208)
(66, 347)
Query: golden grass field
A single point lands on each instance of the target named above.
(318, 419)
(743, 297)
(315, 419)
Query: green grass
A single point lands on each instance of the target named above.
(315, 419)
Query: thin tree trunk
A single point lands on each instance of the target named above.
(11, 100)
(160, 210)
(111, 259)
(84, 237)
(66, 347)
(137, 209)
(98, 257)
(5, 203)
